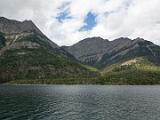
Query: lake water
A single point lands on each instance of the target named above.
(62, 102)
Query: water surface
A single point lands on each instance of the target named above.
(62, 102)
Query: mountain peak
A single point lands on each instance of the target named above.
(12, 26)
(29, 22)
(139, 39)
(3, 18)
(122, 39)
(93, 40)
(15, 30)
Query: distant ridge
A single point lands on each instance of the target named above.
(99, 52)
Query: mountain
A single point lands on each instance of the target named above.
(89, 50)
(100, 53)
(121, 61)
(27, 54)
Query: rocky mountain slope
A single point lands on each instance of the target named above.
(101, 53)
(89, 50)
(27, 54)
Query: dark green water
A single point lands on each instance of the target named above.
(58, 102)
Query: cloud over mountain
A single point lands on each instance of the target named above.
(61, 20)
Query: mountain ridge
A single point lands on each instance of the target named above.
(87, 53)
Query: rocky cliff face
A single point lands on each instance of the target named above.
(15, 32)
(12, 26)
(99, 52)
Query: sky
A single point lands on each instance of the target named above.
(66, 22)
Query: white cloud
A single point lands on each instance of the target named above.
(115, 18)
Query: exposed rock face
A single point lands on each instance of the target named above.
(15, 33)
(99, 52)
(88, 50)
(12, 26)
(24, 44)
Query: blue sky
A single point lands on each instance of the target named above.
(63, 16)
(89, 22)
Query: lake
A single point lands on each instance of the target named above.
(76, 102)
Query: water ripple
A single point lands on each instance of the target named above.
(79, 102)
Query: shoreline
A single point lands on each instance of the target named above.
(36, 84)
